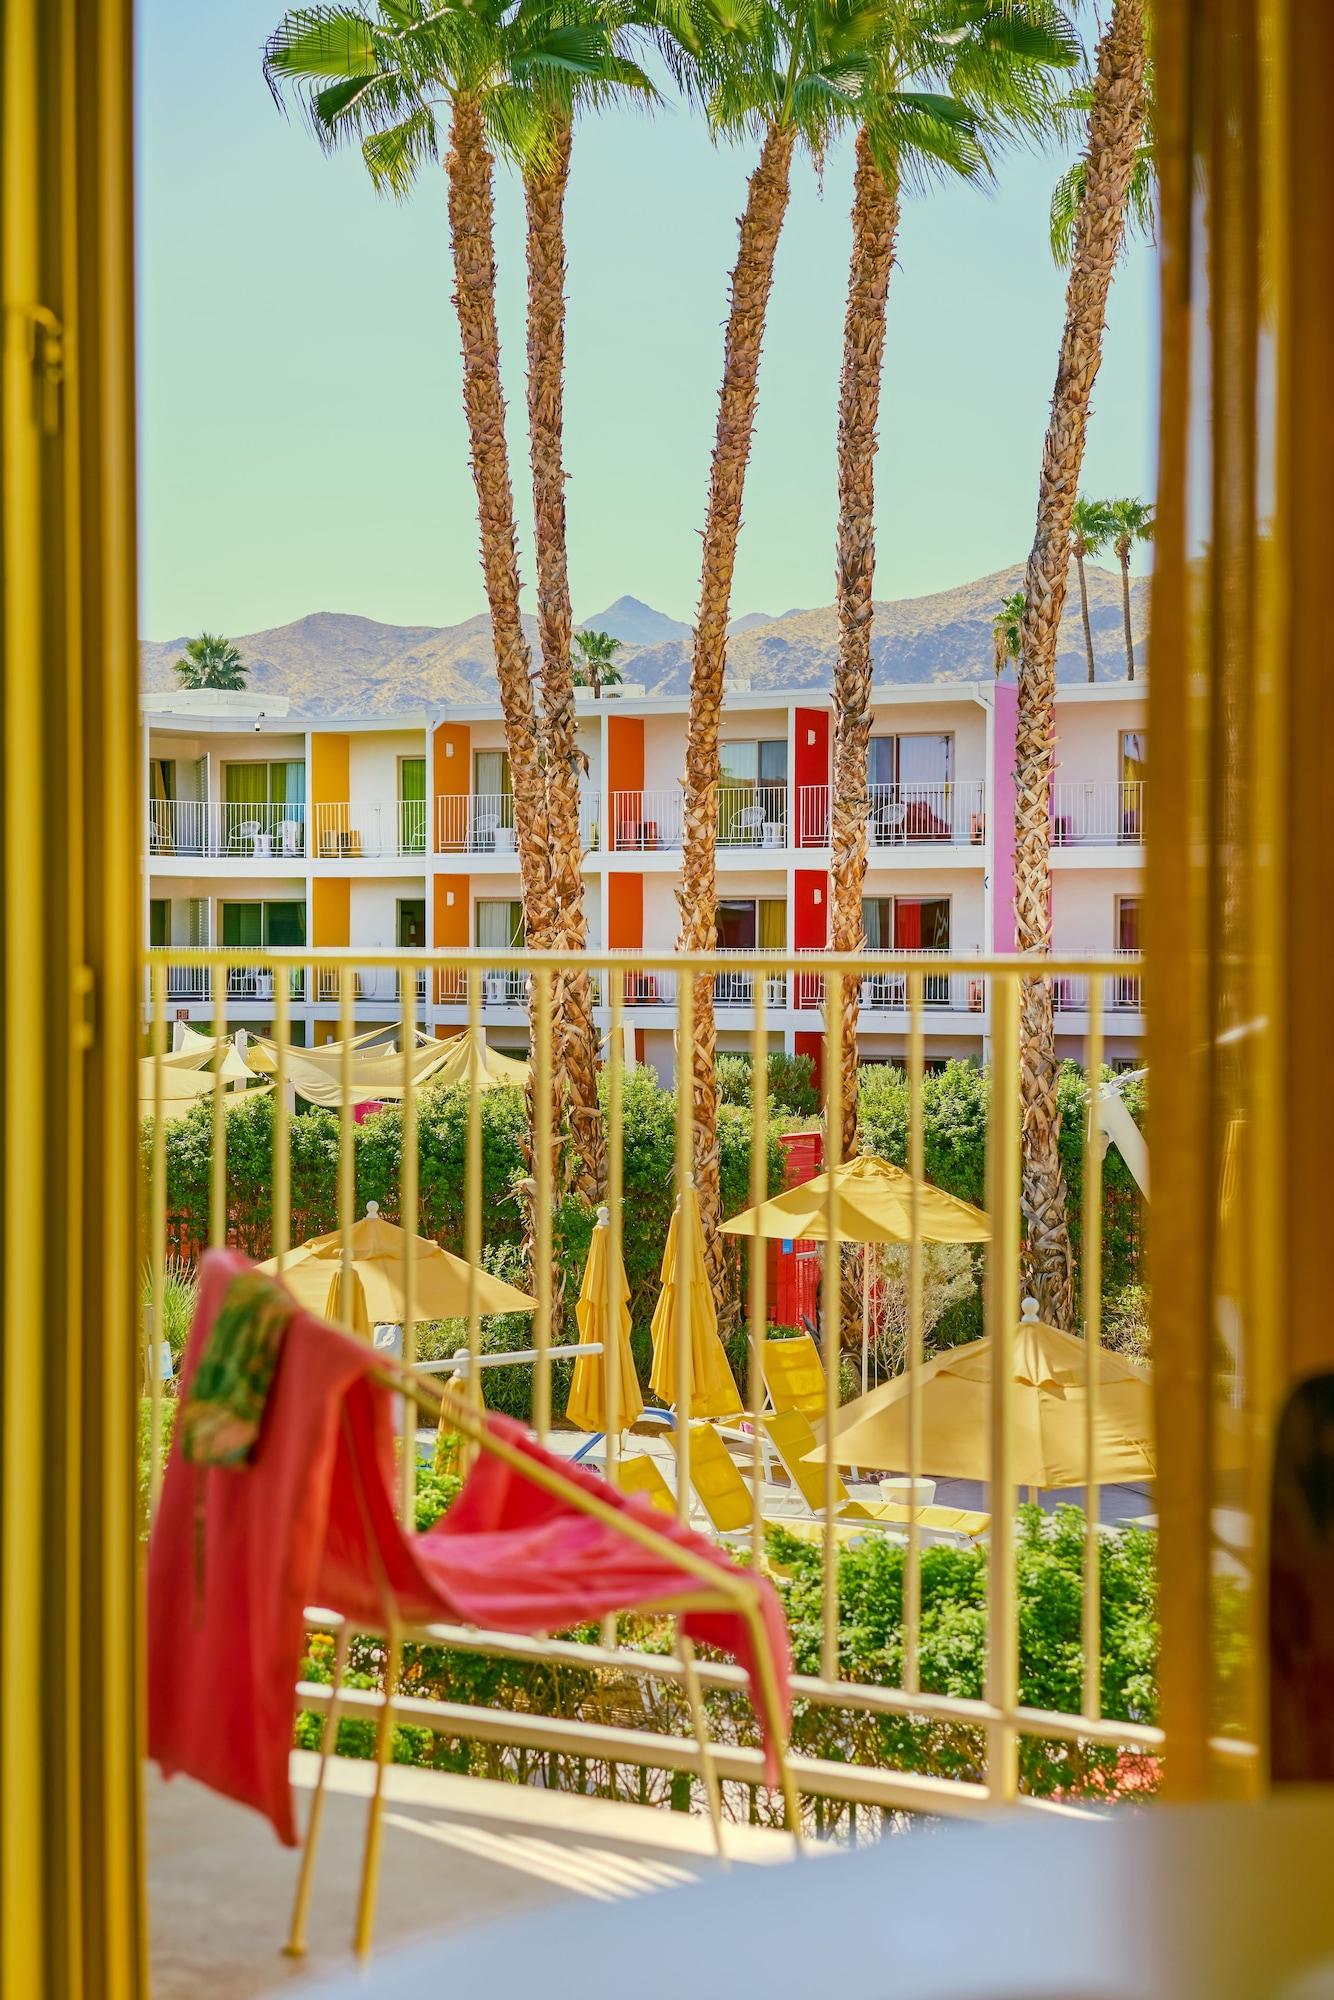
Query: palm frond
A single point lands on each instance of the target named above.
(395, 154)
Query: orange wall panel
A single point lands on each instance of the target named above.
(625, 777)
(331, 910)
(451, 919)
(452, 763)
(330, 769)
(625, 912)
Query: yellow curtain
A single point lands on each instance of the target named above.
(772, 924)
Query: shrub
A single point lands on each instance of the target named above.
(180, 1295)
(791, 1083)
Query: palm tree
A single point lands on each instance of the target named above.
(785, 81)
(945, 75)
(595, 661)
(211, 661)
(493, 68)
(1116, 119)
(1006, 627)
(1090, 529)
(1129, 521)
(545, 181)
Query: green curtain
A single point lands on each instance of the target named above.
(287, 784)
(412, 780)
(159, 921)
(284, 925)
(243, 924)
(246, 785)
(412, 804)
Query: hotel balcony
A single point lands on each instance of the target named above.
(483, 823)
(375, 829)
(225, 829)
(903, 816)
(1102, 813)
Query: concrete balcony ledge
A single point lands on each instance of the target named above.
(457, 1852)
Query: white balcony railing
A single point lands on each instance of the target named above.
(353, 830)
(903, 815)
(885, 991)
(642, 822)
(1098, 814)
(1122, 992)
(222, 828)
(483, 822)
(370, 984)
(193, 984)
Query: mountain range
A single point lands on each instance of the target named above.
(336, 663)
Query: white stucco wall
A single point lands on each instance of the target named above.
(1084, 907)
(373, 762)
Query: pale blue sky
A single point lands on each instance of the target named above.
(303, 447)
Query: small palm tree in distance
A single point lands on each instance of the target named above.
(1090, 532)
(1005, 629)
(1130, 521)
(210, 661)
(595, 661)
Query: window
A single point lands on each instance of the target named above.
(907, 923)
(1134, 758)
(491, 774)
(499, 924)
(1127, 923)
(412, 923)
(752, 923)
(159, 921)
(753, 792)
(911, 779)
(264, 926)
(261, 800)
(412, 805)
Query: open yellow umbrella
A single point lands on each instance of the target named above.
(313, 1274)
(874, 1205)
(1049, 1405)
(713, 1390)
(587, 1406)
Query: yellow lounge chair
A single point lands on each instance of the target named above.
(639, 1474)
(793, 1440)
(794, 1375)
(716, 1478)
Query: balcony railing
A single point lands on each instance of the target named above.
(223, 829)
(193, 984)
(884, 986)
(990, 1726)
(483, 823)
(1100, 814)
(373, 985)
(748, 816)
(1122, 992)
(903, 815)
(357, 829)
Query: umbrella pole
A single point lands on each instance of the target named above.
(866, 1316)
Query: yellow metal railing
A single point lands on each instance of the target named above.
(999, 1715)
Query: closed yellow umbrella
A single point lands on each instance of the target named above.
(313, 1274)
(587, 1406)
(874, 1205)
(713, 1390)
(1048, 1405)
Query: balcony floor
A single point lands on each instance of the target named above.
(457, 1851)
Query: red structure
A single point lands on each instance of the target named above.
(793, 1267)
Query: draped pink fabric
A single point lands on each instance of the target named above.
(238, 1552)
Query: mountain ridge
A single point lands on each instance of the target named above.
(341, 663)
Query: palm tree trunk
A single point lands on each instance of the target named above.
(875, 216)
(544, 196)
(1084, 610)
(1124, 556)
(1116, 121)
(752, 280)
(469, 172)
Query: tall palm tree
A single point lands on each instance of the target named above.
(1129, 521)
(546, 176)
(1090, 530)
(1117, 104)
(418, 84)
(785, 81)
(210, 661)
(947, 76)
(1006, 628)
(595, 661)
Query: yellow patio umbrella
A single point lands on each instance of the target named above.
(874, 1205)
(587, 1405)
(1049, 1405)
(313, 1274)
(713, 1390)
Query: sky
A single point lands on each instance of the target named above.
(302, 441)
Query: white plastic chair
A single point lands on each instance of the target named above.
(747, 826)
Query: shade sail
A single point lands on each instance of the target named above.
(1049, 1405)
(713, 1390)
(874, 1205)
(374, 1076)
(587, 1405)
(313, 1274)
(195, 1050)
(182, 1089)
(471, 1061)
